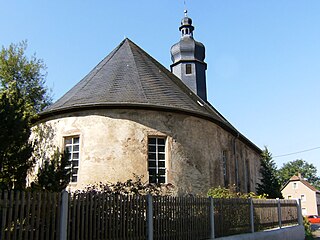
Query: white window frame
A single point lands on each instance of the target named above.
(303, 197)
(73, 151)
(157, 159)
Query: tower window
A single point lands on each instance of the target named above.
(188, 68)
(156, 160)
(72, 146)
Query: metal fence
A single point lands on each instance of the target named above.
(84, 216)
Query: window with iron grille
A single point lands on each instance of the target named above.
(72, 146)
(156, 160)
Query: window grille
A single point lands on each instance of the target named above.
(156, 160)
(72, 146)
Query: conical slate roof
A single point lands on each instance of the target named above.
(130, 78)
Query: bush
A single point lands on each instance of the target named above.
(307, 229)
(131, 187)
(220, 192)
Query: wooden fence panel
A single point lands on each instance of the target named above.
(106, 216)
(28, 215)
(36, 216)
(231, 216)
(289, 212)
(265, 214)
(181, 218)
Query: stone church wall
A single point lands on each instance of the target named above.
(113, 147)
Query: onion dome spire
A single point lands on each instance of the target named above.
(186, 27)
(188, 59)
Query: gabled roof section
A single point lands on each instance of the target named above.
(300, 179)
(130, 78)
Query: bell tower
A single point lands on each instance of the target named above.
(188, 59)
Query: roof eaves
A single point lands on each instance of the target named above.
(128, 105)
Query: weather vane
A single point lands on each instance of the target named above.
(185, 8)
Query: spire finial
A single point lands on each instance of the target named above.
(185, 13)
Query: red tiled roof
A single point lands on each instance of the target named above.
(306, 183)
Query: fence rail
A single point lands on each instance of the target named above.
(40, 216)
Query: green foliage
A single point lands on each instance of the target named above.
(15, 150)
(25, 75)
(54, 175)
(131, 187)
(307, 229)
(220, 192)
(308, 171)
(22, 96)
(270, 184)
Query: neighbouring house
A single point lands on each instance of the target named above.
(298, 188)
(130, 115)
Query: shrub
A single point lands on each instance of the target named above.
(131, 187)
(220, 192)
(307, 229)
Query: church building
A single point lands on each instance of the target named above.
(131, 115)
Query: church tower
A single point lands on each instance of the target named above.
(188, 59)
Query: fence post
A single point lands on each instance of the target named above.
(64, 215)
(212, 233)
(251, 215)
(149, 217)
(279, 213)
(300, 218)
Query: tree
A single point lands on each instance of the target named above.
(270, 184)
(15, 150)
(54, 175)
(17, 72)
(22, 96)
(308, 171)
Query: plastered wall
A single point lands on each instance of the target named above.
(113, 147)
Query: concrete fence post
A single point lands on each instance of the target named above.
(299, 210)
(279, 213)
(251, 215)
(212, 233)
(149, 217)
(64, 215)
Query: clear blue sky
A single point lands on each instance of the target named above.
(263, 56)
